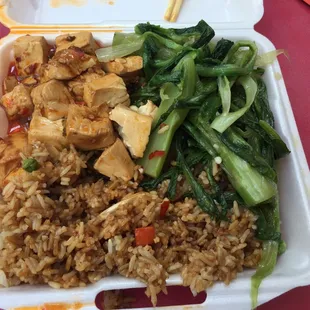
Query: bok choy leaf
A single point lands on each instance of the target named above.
(223, 121)
(120, 50)
(265, 268)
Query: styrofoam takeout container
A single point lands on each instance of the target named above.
(232, 19)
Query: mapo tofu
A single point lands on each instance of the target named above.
(53, 99)
(76, 86)
(67, 64)
(44, 130)
(124, 66)
(116, 162)
(89, 128)
(64, 97)
(17, 103)
(30, 52)
(10, 149)
(109, 90)
(84, 40)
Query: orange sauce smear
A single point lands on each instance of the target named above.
(59, 3)
(55, 306)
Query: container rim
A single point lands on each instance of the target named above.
(241, 14)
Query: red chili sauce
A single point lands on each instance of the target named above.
(22, 123)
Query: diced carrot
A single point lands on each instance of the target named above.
(164, 208)
(144, 235)
(156, 154)
(12, 69)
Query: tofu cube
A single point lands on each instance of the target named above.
(9, 153)
(149, 109)
(9, 83)
(18, 141)
(83, 40)
(135, 128)
(30, 53)
(67, 64)
(88, 128)
(116, 162)
(17, 103)
(30, 82)
(124, 66)
(44, 130)
(53, 99)
(17, 174)
(109, 90)
(76, 86)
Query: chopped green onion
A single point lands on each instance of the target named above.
(30, 164)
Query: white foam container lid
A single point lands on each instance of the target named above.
(232, 19)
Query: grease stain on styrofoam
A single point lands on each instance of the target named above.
(278, 76)
(296, 142)
(53, 306)
(58, 3)
(60, 29)
(5, 19)
(109, 2)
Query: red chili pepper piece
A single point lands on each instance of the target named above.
(164, 208)
(15, 127)
(12, 69)
(25, 112)
(144, 235)
(156, 154)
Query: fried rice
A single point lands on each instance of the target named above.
(58, 228)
